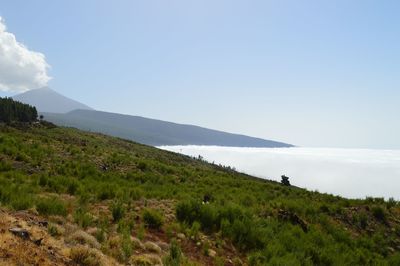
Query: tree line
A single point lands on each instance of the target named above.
(13, 111)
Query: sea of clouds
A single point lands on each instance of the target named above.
(353, 173)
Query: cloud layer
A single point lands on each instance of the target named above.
(20, 68)
(347, 172)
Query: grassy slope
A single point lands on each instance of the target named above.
(108, 183)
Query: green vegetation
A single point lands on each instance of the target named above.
(152, 219)
(13, 111)
(66, 172)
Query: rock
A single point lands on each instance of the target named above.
(293, 218)
(152, 247)
(38, 242)
(20, 232)
(181, 236)
(43, 223)
(212, 253)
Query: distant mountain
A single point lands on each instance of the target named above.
(154, 132)
(48, 100)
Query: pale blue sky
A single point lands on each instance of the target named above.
(312, 73)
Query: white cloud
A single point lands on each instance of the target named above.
(20, 68)
(353, 173)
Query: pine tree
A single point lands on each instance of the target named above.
(13, 111)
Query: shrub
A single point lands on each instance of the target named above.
(208, 218)
(118, 211)
(126, 245)
(145, 260)
(246, 234)
(83, 238)
(83, 218)
(19, 202)
(85, 256)
(53, 230)
(4, 166)
(175, 255)
(187, 211)
(120, 247)
(152, 218)
(363, 220)
(142, 166)
(194, 230)
(105, 192)
(391, 203)
(51, 206)
(379, 213)
(72, 187)
(43, 180)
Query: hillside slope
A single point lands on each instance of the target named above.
(89, 199)
(154, 132)
(48, 100)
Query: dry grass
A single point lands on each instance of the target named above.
(146, 260)
(85, 256)
(83, 238)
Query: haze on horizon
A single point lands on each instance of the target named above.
(310, 73)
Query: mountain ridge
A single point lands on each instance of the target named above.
(64, 111)
(48, 100)
(155, 132)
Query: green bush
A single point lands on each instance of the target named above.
(208, 218)
(142, 166)
(4, 166)
(379, 213)
(51, 206)
(83, 218)
(21, 202)
(391, 203)
(117, 211)
(246, 234)
(152, 218)
(188, 211)
(175, 255)
(72, 187)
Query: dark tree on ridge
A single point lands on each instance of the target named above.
(285, 180)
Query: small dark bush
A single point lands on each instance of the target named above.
(4, 166)
(142, 166)
(118, 211)
(152, 218)
(391, 203)
(188, 211)
(208, 218)
(379, 213)
(72, 187)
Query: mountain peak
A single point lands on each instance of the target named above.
(48, 100)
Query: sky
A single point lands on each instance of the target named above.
(311, 73)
